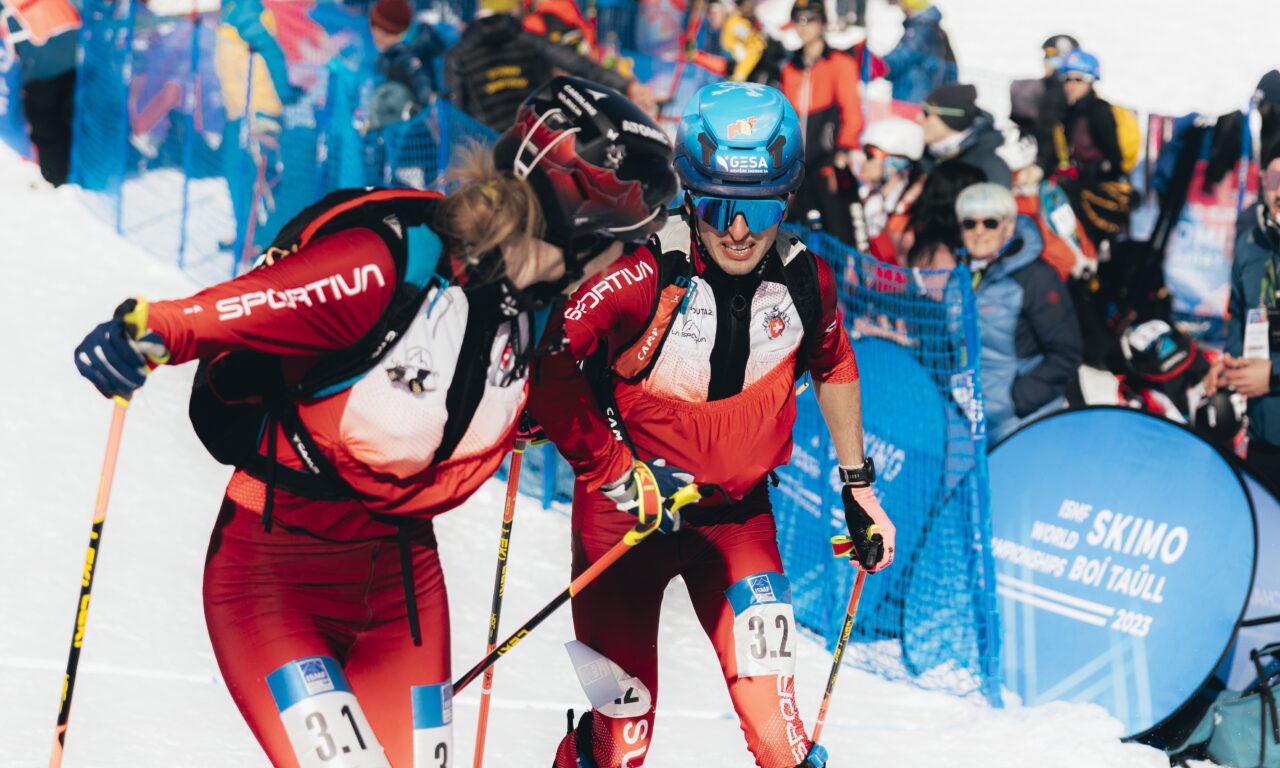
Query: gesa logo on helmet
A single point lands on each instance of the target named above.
(739, 163)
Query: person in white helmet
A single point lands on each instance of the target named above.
(889, 181)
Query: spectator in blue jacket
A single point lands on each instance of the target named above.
(923, 59)
(1030, 338)
(410, 62)
(1251, 364)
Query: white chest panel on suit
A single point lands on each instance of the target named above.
(683, 368)
(395, 417)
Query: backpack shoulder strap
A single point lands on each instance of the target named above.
(800, 273)
(675, 286)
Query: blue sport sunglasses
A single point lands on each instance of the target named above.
(720, 212)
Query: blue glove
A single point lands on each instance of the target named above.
(652, 492)
(117, 355)
(817, 758)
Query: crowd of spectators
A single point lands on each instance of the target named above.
(1039, 210)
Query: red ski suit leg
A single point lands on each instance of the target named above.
(617, 615)
(274, 597)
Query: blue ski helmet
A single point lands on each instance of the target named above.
(739, 140)
(1081, 63)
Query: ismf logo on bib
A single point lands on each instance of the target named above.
(322, 717)
(763, 620)
(432, 725)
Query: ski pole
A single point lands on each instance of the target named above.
(499, 588)
(690, 494)
(86, 582)
(842, 547)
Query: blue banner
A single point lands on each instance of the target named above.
(1124, 548)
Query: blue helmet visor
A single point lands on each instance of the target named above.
(720, 212)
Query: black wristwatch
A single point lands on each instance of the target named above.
(860, 476)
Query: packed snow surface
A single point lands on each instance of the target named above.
(149, 692)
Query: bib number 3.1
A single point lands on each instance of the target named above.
(763, 625)
(322, 717)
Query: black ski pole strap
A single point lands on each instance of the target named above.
(406, 579)
(600, 378)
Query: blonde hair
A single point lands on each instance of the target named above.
(485, 207)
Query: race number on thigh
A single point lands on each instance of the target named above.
(433, 725)
(763, 625)
(322, 717)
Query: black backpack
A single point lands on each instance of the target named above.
(239, 396)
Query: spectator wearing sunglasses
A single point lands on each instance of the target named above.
(1251, 364)
(822, 85)
(1030, 338)
(956, 130)
(694, 344)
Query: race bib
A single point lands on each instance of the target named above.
(322, 717)
(1257, 341)
(763, 625)
(433, 725)
(611, 691)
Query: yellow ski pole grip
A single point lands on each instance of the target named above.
(136, 319)
(689, 494)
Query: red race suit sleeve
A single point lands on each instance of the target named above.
(324, 297)
(831, 357)
(609, 310)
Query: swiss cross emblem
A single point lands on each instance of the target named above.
(775, 323)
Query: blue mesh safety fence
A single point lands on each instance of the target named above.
(200, 151)
(184, 140)
(931, 616)
(13, 124)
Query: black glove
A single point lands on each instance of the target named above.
(870, 529)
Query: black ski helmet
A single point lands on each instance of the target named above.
(1159, 356)
(1059, 45)
(600, 166)
(1056, 49)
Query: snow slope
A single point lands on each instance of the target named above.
(149, 692)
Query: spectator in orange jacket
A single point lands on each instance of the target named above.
(822, 85)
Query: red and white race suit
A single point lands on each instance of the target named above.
(327, 579)
(719, 402)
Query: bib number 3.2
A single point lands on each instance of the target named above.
(433, 725)
(763, 625)
(322, 717)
